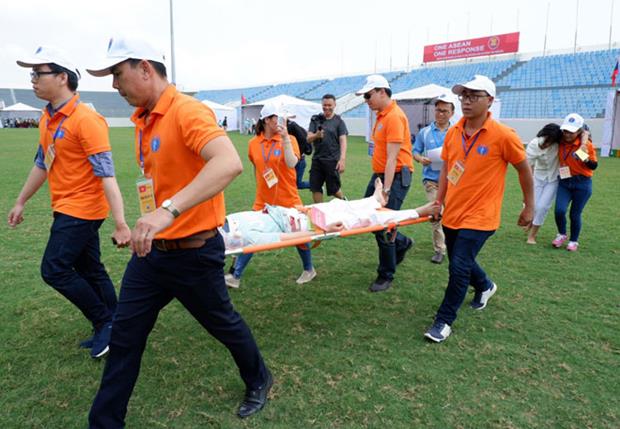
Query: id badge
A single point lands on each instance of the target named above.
(146, 195)
(50, 156)
(454, 175)
(582, 155)
(565, 172)
(270, 177)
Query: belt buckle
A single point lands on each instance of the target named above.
(162, 245)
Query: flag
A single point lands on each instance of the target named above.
(614, 74)
(245, 101)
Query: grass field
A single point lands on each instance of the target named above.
(544, 354)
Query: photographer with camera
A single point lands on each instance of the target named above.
(328, 135)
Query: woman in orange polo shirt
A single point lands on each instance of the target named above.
(577, 163)
(274, 154)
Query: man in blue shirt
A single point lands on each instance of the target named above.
(428, 139)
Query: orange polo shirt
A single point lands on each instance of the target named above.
(577, 167)
(170, 139)
(392, 126)
(475, 202)
(80, 132)
(264, 154)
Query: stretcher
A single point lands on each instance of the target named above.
(320, 236)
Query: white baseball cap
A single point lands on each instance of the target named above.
(478, 83)
(124, 48)
(572, 123)
(373, 81)
(273, 108)
(447, 97)
(49, 55)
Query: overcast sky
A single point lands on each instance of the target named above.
(239, 43)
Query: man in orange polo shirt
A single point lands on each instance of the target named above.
(187, 161)
(476, 154)
(75, 158)
(392, 162)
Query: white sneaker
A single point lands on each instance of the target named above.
(231, 281)
(306, 276)
(438, 332)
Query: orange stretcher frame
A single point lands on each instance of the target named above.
(320, 237)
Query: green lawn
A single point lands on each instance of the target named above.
(544, 354)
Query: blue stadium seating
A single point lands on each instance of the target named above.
(224, 96)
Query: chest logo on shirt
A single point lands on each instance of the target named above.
(277, 152)
(482, 150)
(155, 144)
(60, 134)
(379, 127)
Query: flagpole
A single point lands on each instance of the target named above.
(576, 26)
(172, 62)
(611, 20)
(546, 29)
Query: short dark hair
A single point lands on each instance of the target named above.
(552, 132)
(388, 91)
(160, 69)
(72, 77)
(329, 96)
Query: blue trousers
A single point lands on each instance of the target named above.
(300, 168)
(575, 191)
(389, 246)
(196, 278)
(244, 259)
(72, 265)
(463, 246)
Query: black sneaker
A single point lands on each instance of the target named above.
(255, 400)
(400, 254)
(379, 285)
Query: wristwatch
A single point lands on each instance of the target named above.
(167, 205)
(386, 191)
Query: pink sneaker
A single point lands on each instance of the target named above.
(559, 240)
(572, 246)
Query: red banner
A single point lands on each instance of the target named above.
(491, 45)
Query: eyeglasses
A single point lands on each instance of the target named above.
(369, 94)
(472, 98)
(35, 75)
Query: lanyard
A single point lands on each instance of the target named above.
(471, 146)
(266, 158)
(565, 151)
(57, 132)
(140, 149)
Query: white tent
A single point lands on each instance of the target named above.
(302, 109)
(20, 111)
(611, 124)
(221, 112)
(417, 103)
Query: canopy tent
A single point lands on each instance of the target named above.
(20, 111)
(610, 144)
(221, 112)
(417, 103)
(302, 110)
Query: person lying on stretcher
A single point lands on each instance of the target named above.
(274, 223)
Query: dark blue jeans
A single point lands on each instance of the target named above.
(196, 278)
(389, 245)
(244, 259)
(300, 168)
(72, 265)
(463, 246)
(575, 191)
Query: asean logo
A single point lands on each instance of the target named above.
(493, 42)
(482, 150)
(155, 144)
(276, 152)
